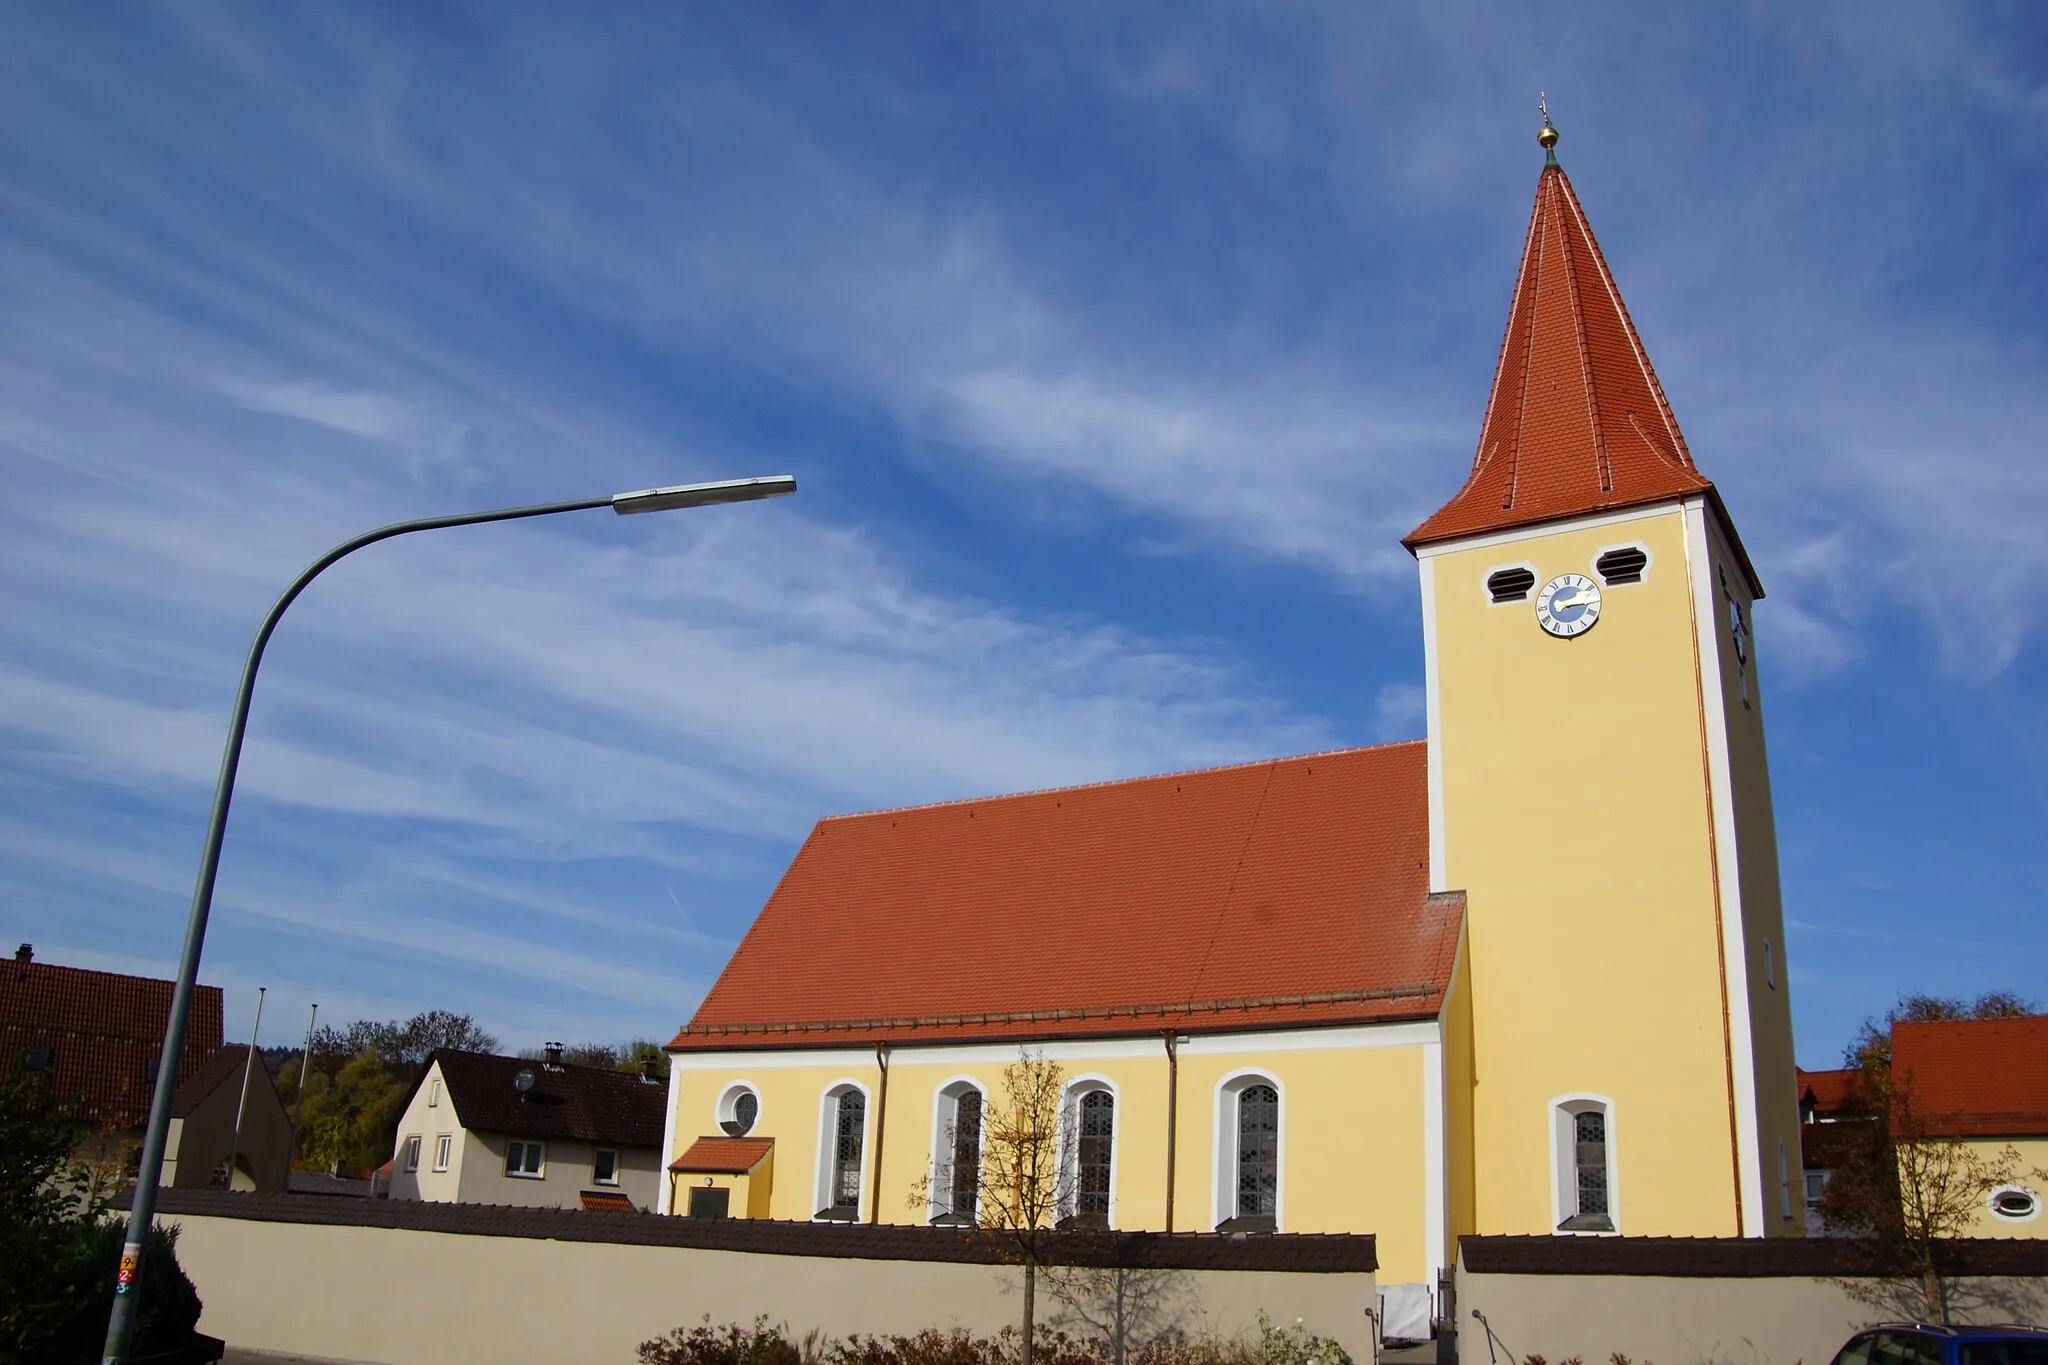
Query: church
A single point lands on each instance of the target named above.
(1526, 975)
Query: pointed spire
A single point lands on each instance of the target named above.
(1577, 422)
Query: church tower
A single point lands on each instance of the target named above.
(1598, 790)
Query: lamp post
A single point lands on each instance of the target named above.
(128, 1281)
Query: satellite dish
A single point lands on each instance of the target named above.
(523, 1081)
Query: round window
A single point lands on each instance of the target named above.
(2014, 1202)
(738, 1110)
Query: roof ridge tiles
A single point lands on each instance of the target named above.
(1107, 782)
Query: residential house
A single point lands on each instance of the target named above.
(484, 1129)
(97, 1035)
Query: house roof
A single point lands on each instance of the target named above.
(605, 1201)
(225, 1065)
(1577, 421)
(1831, 1092)
(102, 1029)
(1975, 1077)
(1267, 895)
(588, 1103)
(723, 1155)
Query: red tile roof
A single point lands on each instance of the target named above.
(1831, 1092)
(723, 1155)
(1577, 422)
(1976, 1077)
(606, 1201)
(102, 1029)
(1274, 894)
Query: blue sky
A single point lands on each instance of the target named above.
(1114, 348)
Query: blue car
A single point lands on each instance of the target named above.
(1916, 1343)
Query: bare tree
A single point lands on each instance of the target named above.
(1025, 1186)
(1909, 1183)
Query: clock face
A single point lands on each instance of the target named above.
(1568, 605)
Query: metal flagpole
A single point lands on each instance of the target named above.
(299, 1104)
(248, 1065)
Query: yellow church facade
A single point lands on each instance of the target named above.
(1526, 975)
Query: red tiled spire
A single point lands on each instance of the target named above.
(1577, 422)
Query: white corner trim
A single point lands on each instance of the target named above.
(1435, 1203)
(1727, 870)
(1534, 530)
(1223, 1180)
(1433, 723)
(663, 1189)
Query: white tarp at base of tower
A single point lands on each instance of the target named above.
(1404, 1312)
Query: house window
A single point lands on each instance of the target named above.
(434, 1094)
(1585, 1176)
(846, 1117)
(604, 1167)
(40, 1057)
(412, 1154)
(956, 1156)
(525, 1159)
(441, 1147)
(1091, 1149)
(738, 1109)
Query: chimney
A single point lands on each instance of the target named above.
(25, 953)
(650, 1073)
(553, 1053)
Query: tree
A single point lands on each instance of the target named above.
(351, 1117)
(1024, 1184)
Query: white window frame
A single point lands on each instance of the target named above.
(541, 1173)
(597, 1152)
(722, 1114)
(1069, 1152)
(828, 1134)
(434, 1093)
(412, 1153)
(1564, 1165)
(444, 1146)
(1991, 1203)
(945, 1118)
(1223, 1189)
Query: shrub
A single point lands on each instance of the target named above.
(727, 1345)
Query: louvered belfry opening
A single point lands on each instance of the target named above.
(1625, 565)
(1510, 585)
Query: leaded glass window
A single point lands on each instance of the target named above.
(966, 1173)
(849, 1132)
(1096, 1137)
(1258, 1152)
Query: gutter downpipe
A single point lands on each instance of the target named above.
(1172, 1118)
(881, 1131)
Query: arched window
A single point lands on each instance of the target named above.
(1584, 1140)
(956, 1156)
(738, 1109)
(1247, 1197)
(845, 1134)
(1090, 1123)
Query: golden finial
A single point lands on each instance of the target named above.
(1546, 139)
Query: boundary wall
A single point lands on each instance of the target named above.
(402, 1283)
(1680, 1301)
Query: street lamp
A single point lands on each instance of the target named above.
(128, 1282)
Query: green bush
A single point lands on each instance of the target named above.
(765, 1345)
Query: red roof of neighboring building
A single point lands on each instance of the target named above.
(723, 1155)
(103, 1029)
(1577, 422)
(1288, 892)
(1975, 1077)
(1831, 1092)
(605, 1201)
